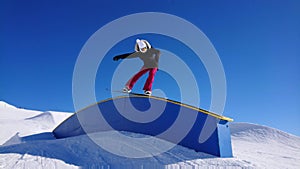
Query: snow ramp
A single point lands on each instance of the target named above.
(173, 121)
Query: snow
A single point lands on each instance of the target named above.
(265, 147)
(26, 122)
(27, 142)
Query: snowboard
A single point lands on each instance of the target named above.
(131, 93)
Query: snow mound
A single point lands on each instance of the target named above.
(28, 142)
(10, 112)
(59, 117)
(22, 122)
(46, 116)
(266, 147)
(4, 105)
(259, 133)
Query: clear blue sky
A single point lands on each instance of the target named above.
(257, 41)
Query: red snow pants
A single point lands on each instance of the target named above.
(148, 83)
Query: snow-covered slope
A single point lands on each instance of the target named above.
(27, 142)
(26, 122)
(265, 147)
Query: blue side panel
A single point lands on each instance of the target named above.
(114, 114)
(119, 122)
(210, 144)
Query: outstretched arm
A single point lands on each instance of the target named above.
(122, 56)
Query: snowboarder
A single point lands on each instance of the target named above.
(150, 57)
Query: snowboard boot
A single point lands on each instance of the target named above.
(126, 90)
(148, 93)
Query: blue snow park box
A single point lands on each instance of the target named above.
(169, 120)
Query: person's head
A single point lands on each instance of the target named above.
(142, 46)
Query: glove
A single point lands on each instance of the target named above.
(116, 58)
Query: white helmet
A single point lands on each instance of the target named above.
(141, 44)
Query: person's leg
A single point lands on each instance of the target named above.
(133, 80)
(150, 79)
